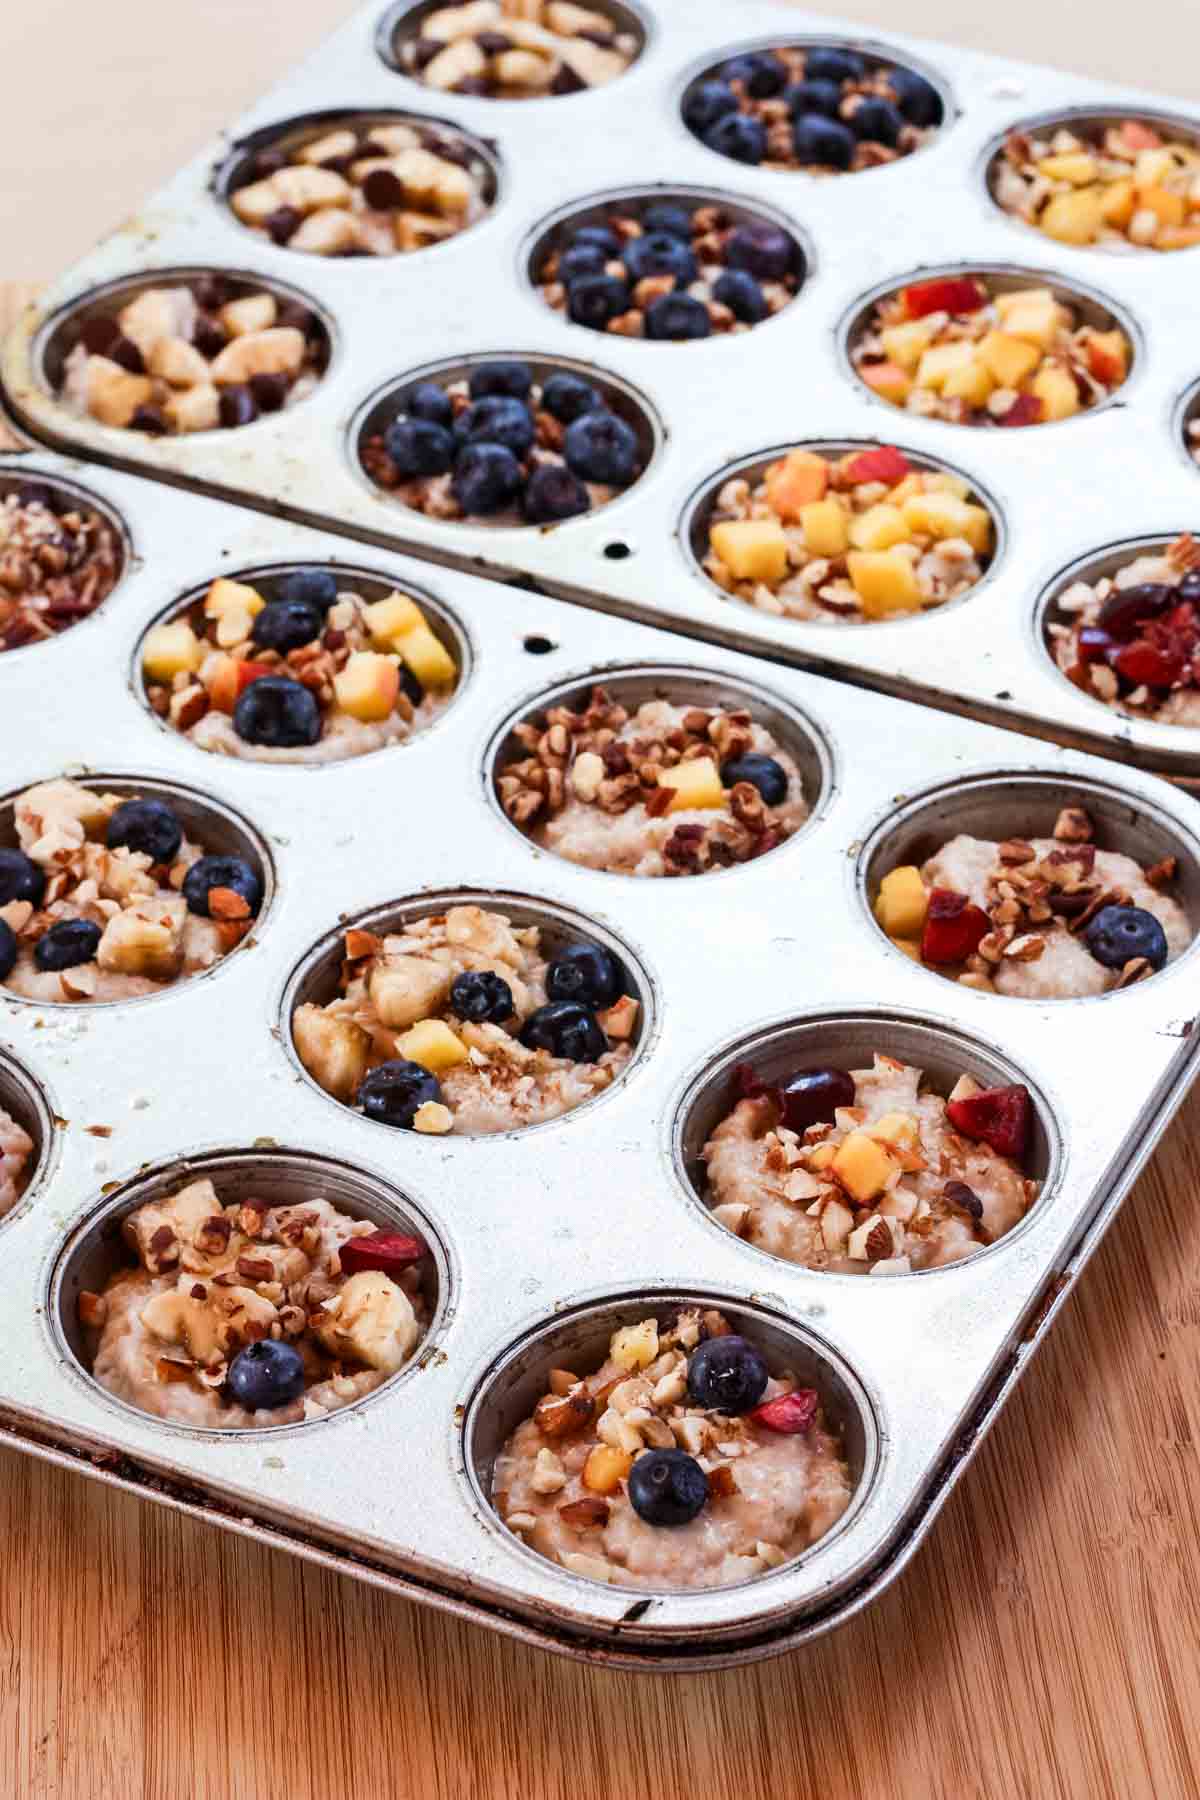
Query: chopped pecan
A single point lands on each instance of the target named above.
(1073, 826)
(1015, 850)
(1162, 872)
(879, 1242)
(92, 1308)
(722, 1482)
(561, 1415)
(963, 1198)
(586, 1512)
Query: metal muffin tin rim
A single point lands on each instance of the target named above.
(11, 479)
(1185, 412)
(640, 20)
(38, 1104)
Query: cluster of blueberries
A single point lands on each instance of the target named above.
(726, 1375)
(582, 979)
(821, 136)
(485, 449)
(149, 826)
(596, 294)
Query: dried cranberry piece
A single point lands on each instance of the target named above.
(747, 1083)
(1127, 608)
(998, 1117)
(789, 1413)
(390, 1251)
(954, 927)
(1026, 409)
(885, 464)
(952, 294)
(1149, 665)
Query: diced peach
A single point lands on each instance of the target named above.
(426, 656)
(1074, 217)
(978, 529)
(903, 902)
(171, 650)
(888, 380)
(387, 618)
(751, 549)
(937, 515)
(941, 481)
(939, 363)
(230, 677)
(1168, 208)
(1016, 297)
(1108, 356)
(825, 524)
(1055, 388)
(1153, 166)
(885, 582)
(606, 1468)
(1075, 166)
(862, 1166)
(905, 344)
(801, 477)
(694, 784)
(1119, 203)
(432, 1044)
(1137, 136)
(1009, 359)
(972, 382)
(878, 528)
(231, 596)
(1035, 318)
(367, 687)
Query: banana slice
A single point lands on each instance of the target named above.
(373, 1322)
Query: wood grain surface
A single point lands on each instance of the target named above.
(1045, 1642)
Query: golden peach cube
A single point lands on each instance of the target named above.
(366, 688)
(888, 380)
(1016, 297)
(878, 528)
(1074, 217)
(387, 618)
(821, 1157)
(936, 515)
(1153, 167)
(972, 382)
(903, 902)
(426, 656)
(1168, 208)
(1011, 360)
(695, 784)
(171, 650)
(1055, 388)
(634, 1347)
(863, 1166)
(940, 362)
(432, 1044)
(913, 483)
(978, 529)
(1075, 166)
(898, 1128)
(906, 344)
(941, 481)
(1119, 203)
(606, 1468)
(884, 581)
(752, 549)
(231, 596)
(825, 524)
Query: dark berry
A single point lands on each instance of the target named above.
(278, 713)
(762, 250)
(667, 1487)
(727, 1374)
(763, 772)
(410, 685)
(593, 300)
(148, 826)
(36, 493)
(232, 872)
(552, 493)
(497, 419)
(487, 478)
(1189, 587)
(481, 996)
(568, 397)
(812, 1097)
(392, 1093)
(658, 253)
(739, 136)
(832, 64)
(602, 447)
(676, 221)
(677, 318)
(603, 237)
(8, 949)
(1118, 933)
(418, 446)
(585, 972)
(738, 290)
(20, 878)
(579, 260)
(513, 379)
(270, 391)
(760, 72)
(237, 406)
(917, 98)
(284, 625)
(824, 142)
(711, 101)
(1128, 607)
(876, 122)
(314, 587)
(67, 943)
(814, 97)
(267, 1374)
(431, 403)
(565, 1028)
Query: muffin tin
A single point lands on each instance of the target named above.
(543, 1238)
(1119, 470)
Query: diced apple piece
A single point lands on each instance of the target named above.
(1137, 136)
(171, 650)
(432, 1044)
(143, 940)
(427, 656)
(939, 515)
(193, 409)
(158, 313)
(906, 344)
(1119, 203)
(178, 362)
(885, 582)
(306, 190)
(254, 203)
(885, 463)
(800, 478)
(328, 147)
(1074, 217)
(878, 528)
(903, 902)
(945, 293)
(405, 989)
(1055, 388)
(695, 785)
(255, 312)
(334, 1050)
(938, 363)
(752, 549)
(1010, 360)
(1016, 297)
(1153, 166)
(226, 596)
(331, 232)
(279, 351)
(231, 675)
(387, 618)
(888, 380)
(862, 1166)
(940, 481)
(366, 688)
(1075, 166)
(972, 382)
(978, 529)
(825, 525)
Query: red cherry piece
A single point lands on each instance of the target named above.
(952, 294)
(954, 928)
(1145, 664)
(390, 1251)
(885, 464)
(998, 1116)
(747, 1084)
(1026, 409)
(788, 1414)
(1127, 608)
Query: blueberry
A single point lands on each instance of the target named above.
(315, 587)
(814, 97)
(813, 1096)
(67, 943)
(411, 685)
(739, 136)
(917, 98)
(431, 403)
(486, 479)
(568, 397)
(602, 236)
(740, 292)
(149, 826)
(760, 72)
(595, 299)
(551, 493)
(565, 1029)
(418, 446)
(37, 493)
(727, 1374)
(585, 972)
(602, 447)
(1118, 933)
(675, 318)
(667, 1487)
(711, 101)
(278, 713)
(762, 250)
(8, 949)
(580, 259)
(832, 64)
(20, 878)
(284, 625)
(392, 1092)
(676, 221)
(658, 253)
(482, 997)
(763, 772)
(497, 419)
(1189, 587)
(877, 122)
(513, 379)
(825, 142)
(232, 872)
(266, 1374)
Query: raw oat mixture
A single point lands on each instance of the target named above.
(59, 559)
(1119, 186)
(517, 49)
(16, 1152)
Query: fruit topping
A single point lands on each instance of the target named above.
(553, 492)
(512, 378)
(667, 1487)
(20, 878)
(419, 446)
(66, 944)
(878, 121)
(393, 1092)
(762, 772)
(567, 1029)
(788, 1413)
(147, 826)
(823, 143)
(812, 1097)
(265, 1375)
(388, 1251)
(727, 1374)
(8, 949)
(480, 996)
(954, 927)
(496, 419)
(277, 712)
(738, 136)
(999, 1117)
(568, 397)
(948, 293)
(284, 625)
(585, 972)
(708, 103)
(741, 293)
(214, 883)
(430, 402)
(659, 253)
(1118, 934)
(601, 447)
(487, 478)
(886, 464)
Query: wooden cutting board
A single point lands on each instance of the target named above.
(1045, 1642)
